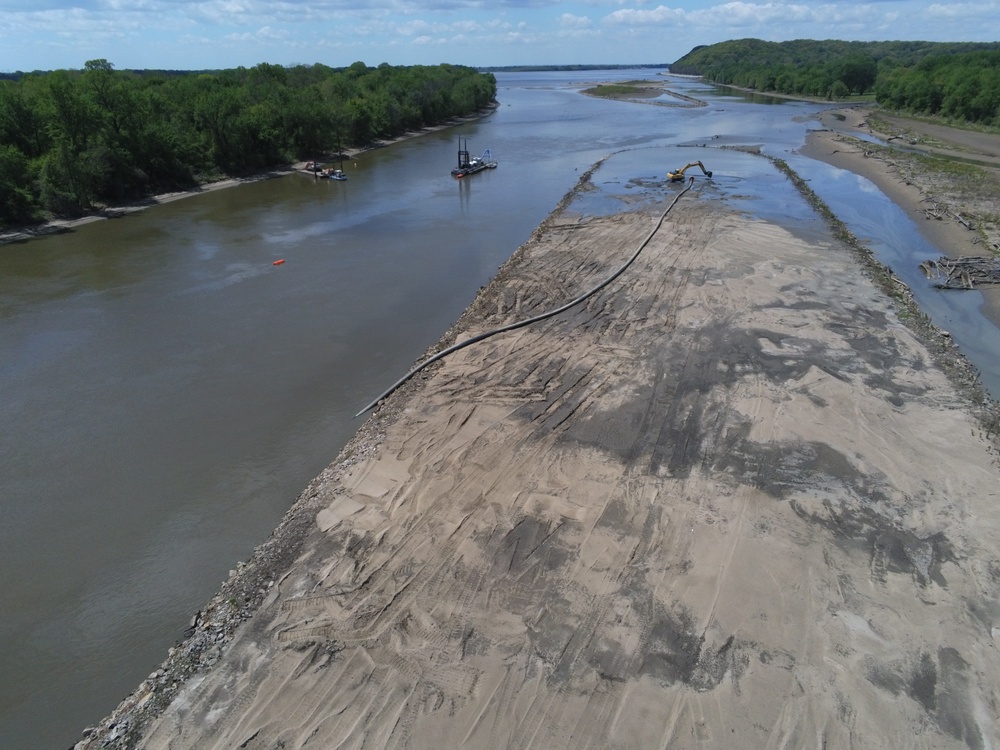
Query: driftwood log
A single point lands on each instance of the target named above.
(963, 273)
(963, 222)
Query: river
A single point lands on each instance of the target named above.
(168, 390)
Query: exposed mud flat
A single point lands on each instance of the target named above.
(727, 502)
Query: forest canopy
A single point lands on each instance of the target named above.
(956, 80)
(71, 140)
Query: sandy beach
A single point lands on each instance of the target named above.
(728, 501)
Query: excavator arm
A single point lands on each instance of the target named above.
(678, 174)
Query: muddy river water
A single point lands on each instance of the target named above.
(167, 390)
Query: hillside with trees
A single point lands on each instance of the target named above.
(963, 87)
(71, 140)
(956, 80)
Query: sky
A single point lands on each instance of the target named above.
(213, 34)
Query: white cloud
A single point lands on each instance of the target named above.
(417, 28)
(660, 16)
(275, 34)
(777, 18)
(978, 12)
(569, 21)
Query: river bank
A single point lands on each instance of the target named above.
(727, 501)
(954, 208)
(55, 226)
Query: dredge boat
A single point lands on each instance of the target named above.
(467, 166)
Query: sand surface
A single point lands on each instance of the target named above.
(728, 502)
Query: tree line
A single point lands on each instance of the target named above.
(963, 87)
(958, 80)
(71, 140)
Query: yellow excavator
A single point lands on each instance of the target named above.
(678, 175)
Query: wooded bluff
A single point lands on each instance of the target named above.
(959, 81)
(71, 140)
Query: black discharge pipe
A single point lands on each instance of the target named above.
(522, 323)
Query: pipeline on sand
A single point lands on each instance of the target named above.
(528, 321)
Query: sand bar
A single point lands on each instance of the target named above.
(730, 501)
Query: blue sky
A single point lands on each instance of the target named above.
(199, 34)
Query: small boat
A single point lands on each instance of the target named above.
(332, 174)
(326, 173)
(337, 174)
(467, 166)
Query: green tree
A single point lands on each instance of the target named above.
(73, 140)
(18, 205)
(22, 123)
(857, 72)
(954, 79)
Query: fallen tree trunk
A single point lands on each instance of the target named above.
(963, 273)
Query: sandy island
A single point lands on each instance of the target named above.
(729, 502)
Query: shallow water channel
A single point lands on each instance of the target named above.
(168, 390)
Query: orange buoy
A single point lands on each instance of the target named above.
(278, 262)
